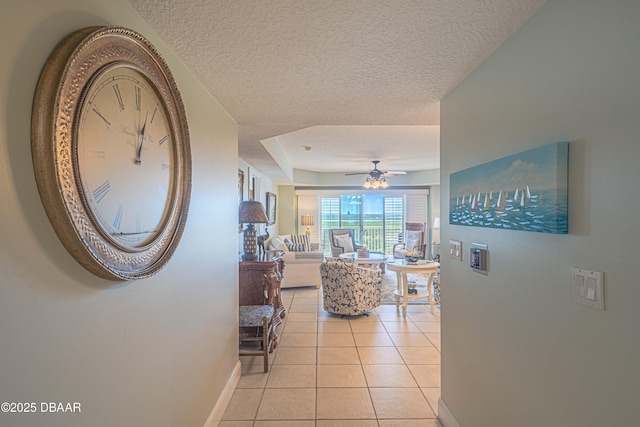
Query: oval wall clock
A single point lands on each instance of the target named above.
(111, 152)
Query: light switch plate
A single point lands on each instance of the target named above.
(455, 250)
(587, 287)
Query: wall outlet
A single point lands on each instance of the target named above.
(455, 250)
(587, 287)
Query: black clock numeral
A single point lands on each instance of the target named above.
(116, 89)
(154, 114)
(95, 110)
(138, 98)
(118, 219)
(166, 167)
(100, 192)
(163, 140)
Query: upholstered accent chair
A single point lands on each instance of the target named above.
(342, 240)
(413, 240)
(347, 288)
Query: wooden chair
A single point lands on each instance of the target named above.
(255, 328)
(413, 239)
(335, 237)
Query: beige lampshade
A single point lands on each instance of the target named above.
(252, 211)
(306, 220)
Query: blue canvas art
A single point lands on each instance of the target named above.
(525, 191)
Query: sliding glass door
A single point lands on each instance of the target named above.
(377, 220)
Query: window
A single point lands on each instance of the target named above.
(377, 219)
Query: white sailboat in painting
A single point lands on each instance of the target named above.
(501, 202)
(522, 199)
(474, 203)
(485, 207)
(515, 202)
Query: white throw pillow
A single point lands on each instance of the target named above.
(344, 240)
(411, 244)
(278, 244)
(412, 239)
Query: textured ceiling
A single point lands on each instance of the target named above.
(285, 65)
(394, 146)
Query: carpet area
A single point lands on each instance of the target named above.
(389, 284)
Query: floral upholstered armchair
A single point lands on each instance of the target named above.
(348, 289)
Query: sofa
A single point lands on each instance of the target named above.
(302, 260)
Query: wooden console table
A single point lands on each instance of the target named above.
(259, 284)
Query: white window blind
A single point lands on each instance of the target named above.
(330, 209)
(416, 208)
(393, 222)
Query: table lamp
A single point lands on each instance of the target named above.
(251, 212)
(308, 221)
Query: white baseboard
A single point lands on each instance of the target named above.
(444, 415)
(221, 405)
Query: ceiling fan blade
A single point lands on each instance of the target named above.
(377, 173)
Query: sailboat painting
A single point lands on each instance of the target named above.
(525, 191)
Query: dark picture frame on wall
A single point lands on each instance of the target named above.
(271, 208)
(240, 193)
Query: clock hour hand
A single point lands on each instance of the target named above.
(139, 150)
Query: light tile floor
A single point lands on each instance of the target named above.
(327, 371)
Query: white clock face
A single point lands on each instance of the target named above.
(125, 154)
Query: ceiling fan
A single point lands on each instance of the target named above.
(376, 173)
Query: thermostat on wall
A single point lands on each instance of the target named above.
(479, 258)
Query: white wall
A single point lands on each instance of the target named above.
(516, 350)
(153, 352)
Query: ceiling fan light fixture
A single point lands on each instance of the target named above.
(376, 177)
(375, 183)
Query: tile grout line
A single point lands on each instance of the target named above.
(352, 333)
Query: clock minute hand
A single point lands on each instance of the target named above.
(134, 233)
(139, 151)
